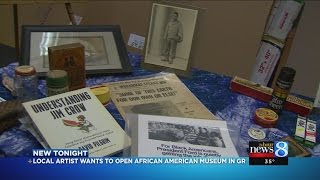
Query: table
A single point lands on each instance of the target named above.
(210, 88)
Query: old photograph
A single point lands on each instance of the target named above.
(95, 48)
(154, 136)
(187, 134)
(103, 49)
(170, 36)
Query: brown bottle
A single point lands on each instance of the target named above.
(282, 89)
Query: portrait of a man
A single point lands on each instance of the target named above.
(170, 36)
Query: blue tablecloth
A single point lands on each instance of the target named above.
(210, 88)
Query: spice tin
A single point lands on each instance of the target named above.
(266, 117)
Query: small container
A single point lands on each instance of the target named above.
(57, 82)
(266, 117)
(282, 89)
(102, 93)
(26, 83)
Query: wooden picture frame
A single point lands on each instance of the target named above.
(295, 149)
(105, 50)
(170, 35)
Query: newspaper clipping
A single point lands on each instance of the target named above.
(181, 137)
(163, 94)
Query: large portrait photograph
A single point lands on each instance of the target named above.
(170, 36)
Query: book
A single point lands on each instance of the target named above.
(77, 120)
(71, 58)
(161, 136)
(162, 94)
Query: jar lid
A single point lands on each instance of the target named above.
(256, 133)
(287, 74)
(266, 117)
(57, 78)
(25, 70)
(102, 93)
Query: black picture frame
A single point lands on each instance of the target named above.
(106, 37)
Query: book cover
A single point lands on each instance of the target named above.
(157, 136)
(71, 58)
(77, 120)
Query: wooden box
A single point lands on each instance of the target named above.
(71, 58)
(263, 93)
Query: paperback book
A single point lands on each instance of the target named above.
(77, 120)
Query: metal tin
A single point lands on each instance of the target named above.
(266, 117)
(57, 82)
(256, 133)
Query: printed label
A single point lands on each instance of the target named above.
(55, 91)
(266, 60)
(282, 17)
(300, 127)
(311, 131)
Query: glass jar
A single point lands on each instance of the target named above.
(26, 83)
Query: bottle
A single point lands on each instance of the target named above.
(57, 82)
(26, 83)
(282, 89)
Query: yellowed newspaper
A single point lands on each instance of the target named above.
(163, 94)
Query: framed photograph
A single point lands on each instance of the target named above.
(295, 149)
(170, 36)
(105, 51)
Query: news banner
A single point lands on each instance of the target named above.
(264, 157)
(260, 153)
(72, 156)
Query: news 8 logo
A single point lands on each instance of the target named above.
(281, 149)
(268, 152)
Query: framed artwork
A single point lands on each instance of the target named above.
(295, 149)
(170, 37)
(105, 51)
